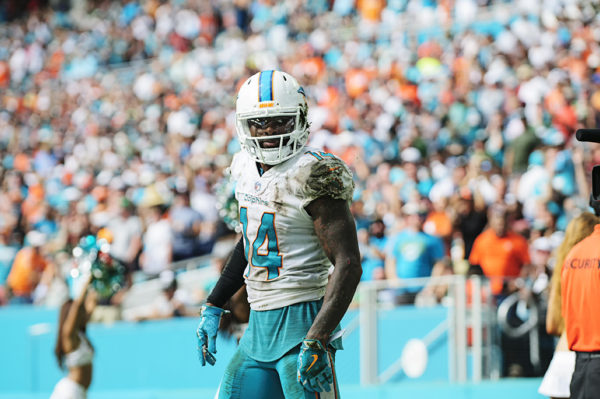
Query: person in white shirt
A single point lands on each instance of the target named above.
(157, 243)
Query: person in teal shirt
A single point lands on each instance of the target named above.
(412, 253)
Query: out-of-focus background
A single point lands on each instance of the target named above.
(117, 120)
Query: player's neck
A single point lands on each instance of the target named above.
(262, 168)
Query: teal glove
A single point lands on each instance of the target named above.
(210, 317)
(314, 366)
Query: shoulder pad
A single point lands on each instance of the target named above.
(328, 176)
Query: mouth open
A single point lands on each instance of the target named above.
(269, 143)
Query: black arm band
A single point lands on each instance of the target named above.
(232, 276)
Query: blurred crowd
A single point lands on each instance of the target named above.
(457, 118)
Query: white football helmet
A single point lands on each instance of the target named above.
(269, 98)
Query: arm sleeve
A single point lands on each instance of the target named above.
(232, 276)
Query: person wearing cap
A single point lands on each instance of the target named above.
(558, 375)
(412, 253)
(580, 288)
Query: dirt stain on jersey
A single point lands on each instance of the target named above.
(331, 178)
(278, 198)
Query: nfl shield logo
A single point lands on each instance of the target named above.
(257, 186)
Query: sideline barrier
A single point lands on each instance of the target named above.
(149, 359)
(473, 317)
(162, 354)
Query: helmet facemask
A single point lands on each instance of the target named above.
(272, 139)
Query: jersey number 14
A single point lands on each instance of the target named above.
(264, 250)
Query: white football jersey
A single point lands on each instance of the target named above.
(286, 263)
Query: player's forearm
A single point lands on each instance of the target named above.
(340, 291)
(336, 231)
(231, 279)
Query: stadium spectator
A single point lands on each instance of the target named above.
(518, 150)
(438, 222)
(186, 225)
(28, 268)
(412, 253)
(126, 230)
(372, 243)
(502, 254)
(470, 219)
(558, 376)
(157, 244)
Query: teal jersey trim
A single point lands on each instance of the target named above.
(273, 333)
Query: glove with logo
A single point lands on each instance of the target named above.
(314, 366)
(210, 316)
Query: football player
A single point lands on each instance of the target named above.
(296, 224)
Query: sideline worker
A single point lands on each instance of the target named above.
(581, 310)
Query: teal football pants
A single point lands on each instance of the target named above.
(246, 378)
